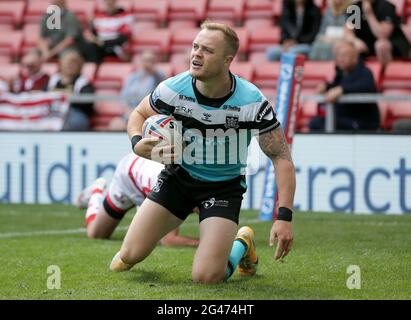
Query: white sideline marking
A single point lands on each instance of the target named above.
(8, 235)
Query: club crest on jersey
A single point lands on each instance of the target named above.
(158, 185)
(231, 122)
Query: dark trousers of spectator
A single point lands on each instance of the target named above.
(111, 48)
(342, 123)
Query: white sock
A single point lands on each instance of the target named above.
(94, 204)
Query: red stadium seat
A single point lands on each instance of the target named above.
(257, 57)
(176, 25)
(400, 6)
(255, 24)
(181, 40)
(35, 11)
(277, 9)
(244, 70)
(9, 71)
(262, 38)
(376, 69)
(31, 34)
(111, 75)
(151, 10)
(316, 72)
(223, 9)
(243, 36)
(11, 44)
(397, 75)
(394, 110)
(166, 68)
(258, 9)
(187, 10)
(11, 12)
(127, 5)
(144, 25)
(157, 40)
(266, 75)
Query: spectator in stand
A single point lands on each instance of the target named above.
(70, 80)
(299, 22)
(110, 31)
(138, 85)
(380, 33)
(331, 30)
(31, 77)
(53, 41)
(4, 86)
(352, 76)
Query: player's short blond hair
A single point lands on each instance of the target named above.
(233, 43)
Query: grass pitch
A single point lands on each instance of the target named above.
(33, 237)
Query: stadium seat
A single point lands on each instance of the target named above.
(257, 9)
(11, 44)
(181, 40)
(11, 12)
(244, 70)
(277, 9)
(9, 71)
(257, 58)
(394, 110)
(151, 10)
(127, 5)
(176, 25)
(400, 6)
(223, 9)
(157, 40)
(35, 10)
(262, 38)
(266, 75)
(243, 36)
(111, 75)
(180, 57)
(144, 25)
(397, 75)
(255, 24)
(166, 68)
(31, 34)
(316, 72)
(187, 10)
(376, 69)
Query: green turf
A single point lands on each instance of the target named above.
(325, 245)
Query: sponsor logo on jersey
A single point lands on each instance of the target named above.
(232, 122)
(212, 202)
(230, 108)
(264, 110)
(158, 185)
(186, 111)
(186, 98)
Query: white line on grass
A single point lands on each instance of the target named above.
(9, 235)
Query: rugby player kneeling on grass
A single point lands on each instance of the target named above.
(133, 179)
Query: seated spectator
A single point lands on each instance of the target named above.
(70, 80)
(299, 22)
(352, 76)
(110, 32)
(138, 85)
(4, 86)
(31, 77)
(53, 41)
(331, 29)
(380, 32)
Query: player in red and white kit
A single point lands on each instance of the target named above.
(133, 179)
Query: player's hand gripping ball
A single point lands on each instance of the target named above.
(164, 127)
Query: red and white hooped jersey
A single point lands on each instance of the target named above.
(109, 27)
(133, 179)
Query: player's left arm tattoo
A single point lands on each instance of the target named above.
(274, 145)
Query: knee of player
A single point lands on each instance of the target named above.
(131, 256)
(207, 276)
(95, 234)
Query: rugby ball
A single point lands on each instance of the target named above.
(164, 127)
